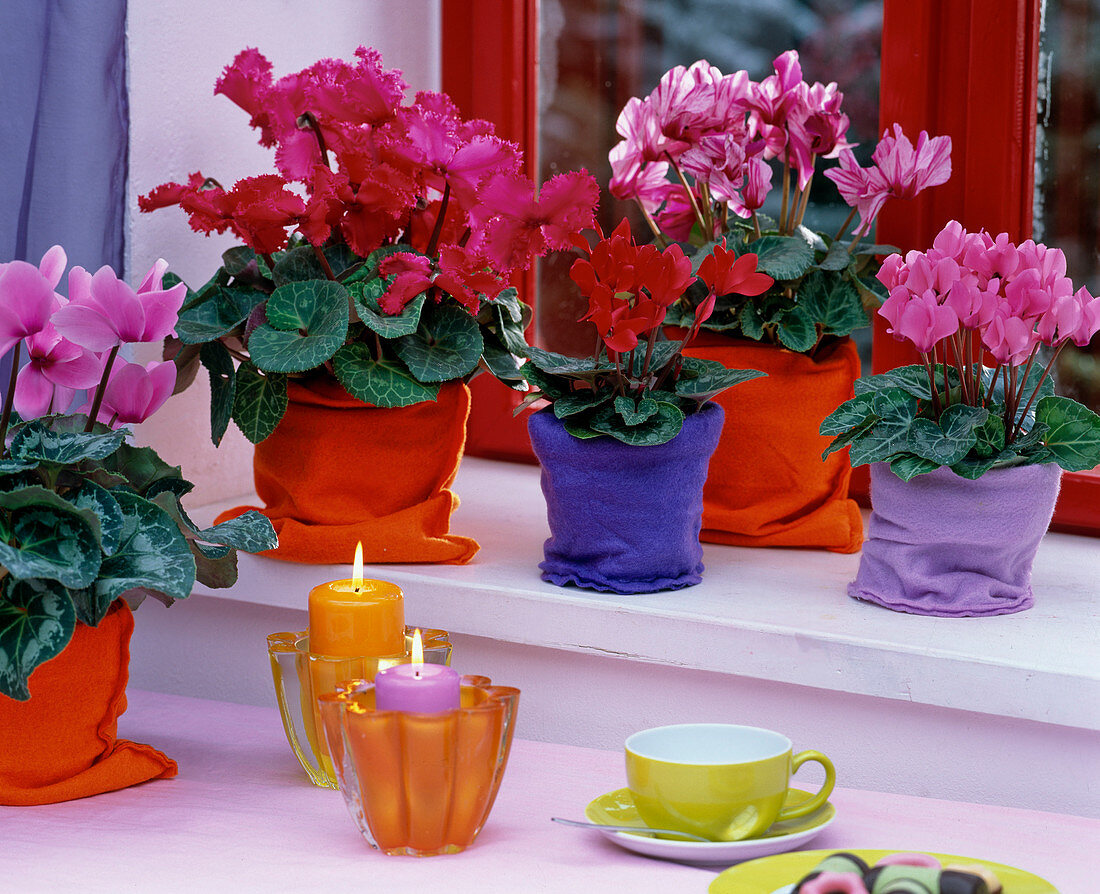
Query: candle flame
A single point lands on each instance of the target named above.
(417, 652)
(357, 568)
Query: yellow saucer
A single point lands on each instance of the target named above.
(617, 809)
(769, 875)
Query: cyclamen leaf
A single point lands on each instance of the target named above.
(100, 501)
(782, 257)
(845, 438)
(502, 363)
(560, 364)
(141, 468)
(950, 438)
(367, 295)
(383, 383)
(223, 387)
(152, 553)
(260, 402)
(990, 436)
(1074, 435)
(35, 441)
(635, 414)
(306, 323)
(447, 345)
(896, 410)
(752, 324)
(909, 466)
(300, 264)
(661, 427)
(836, 258)
(796, 330)
(37, 619)
(912, 379)
(574, 404)
(53, 544)
(706, 378)
(833, 303)
(853, 412)
(222, 311)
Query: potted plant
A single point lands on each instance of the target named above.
(625, 441)
(373, 283)
(966, 458)
(699, 155)
(89, 525)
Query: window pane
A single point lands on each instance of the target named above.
(596, 54)
(1067, 171)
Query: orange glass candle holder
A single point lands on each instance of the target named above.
(420, 784)
(301, 676)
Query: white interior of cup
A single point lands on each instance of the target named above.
(707, 743)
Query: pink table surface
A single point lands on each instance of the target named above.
(242, 817)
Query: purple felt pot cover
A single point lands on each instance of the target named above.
(624, 519)
(945, 546)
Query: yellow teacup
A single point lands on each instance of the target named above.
(718, 780)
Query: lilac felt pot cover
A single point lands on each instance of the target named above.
(945, 546)
(624, 519)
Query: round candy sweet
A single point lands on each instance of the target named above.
(907, 859)
(834, 883)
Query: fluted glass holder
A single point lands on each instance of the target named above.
(420, 784)
(301, 676)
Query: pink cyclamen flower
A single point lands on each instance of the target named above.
(27, 296)
(135, 392)
(920, 319)
(864, 189)
(1009, 338)
(55, 370)
(908, 169)
(104, 312)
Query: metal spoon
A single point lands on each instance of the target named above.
(638, 830)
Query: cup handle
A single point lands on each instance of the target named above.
(818, 800)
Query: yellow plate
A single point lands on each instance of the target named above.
(769, 874)
(617, 809)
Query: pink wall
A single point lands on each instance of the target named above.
(177, 49)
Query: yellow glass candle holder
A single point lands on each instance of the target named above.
(301, 676)
(420, 784)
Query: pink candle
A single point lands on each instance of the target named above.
(420, 688)
(417, 687)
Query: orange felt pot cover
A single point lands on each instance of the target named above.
(767, 484)
(337, 471)
(61, 745)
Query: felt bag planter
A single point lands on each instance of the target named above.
(61, 745)
(624, 519)
(337, 471)
(946, 546)
(767, 484)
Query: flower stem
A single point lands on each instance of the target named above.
(102, 389)
(309, 120)
(658, 236)
(691, 198)
(9, 398)
(437, 230)
(786, 193)
(931, 382)
(1038, 385)
(844, 226)
(323, 261)
(803, 202)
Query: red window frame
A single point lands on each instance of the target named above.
(967, 68)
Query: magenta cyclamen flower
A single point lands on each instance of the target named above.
(27, 297)
(135, 392)
(104, 312)
(55, 370)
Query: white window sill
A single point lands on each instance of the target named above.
(769, 614)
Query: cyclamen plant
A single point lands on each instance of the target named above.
(379, 253)
(85, 517)
(637, 386)
(968, 292)
(697, 155)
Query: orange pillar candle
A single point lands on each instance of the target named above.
(349, 618)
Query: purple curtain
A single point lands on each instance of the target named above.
(64, 131)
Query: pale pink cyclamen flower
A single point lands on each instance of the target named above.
(104, 312)
(718, 161)
(755, 186)
(55, 370)
(900, 170)
(920, 319)
(816, 128)
(772, 99)
(1010, 339)
(135, 392)
(27, 296)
